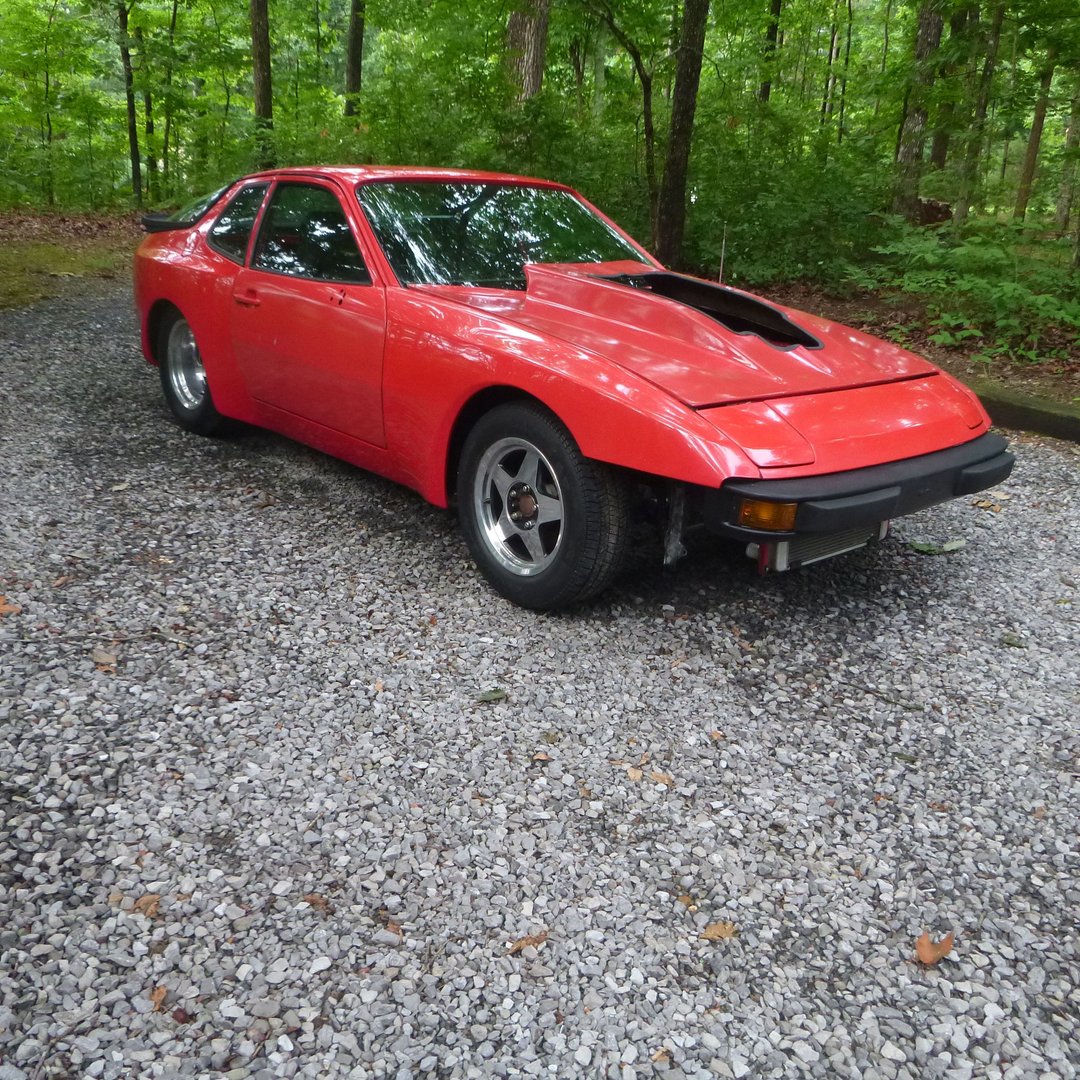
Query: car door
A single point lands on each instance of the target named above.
(308, 324)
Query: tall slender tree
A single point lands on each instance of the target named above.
(354, 54)
(261, 85)
(1067, 186)
(909, 152)
(768, 52)
(122, 11)
(974, 141)
(1031, 154)
(671, 215)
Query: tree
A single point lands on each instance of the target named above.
(354, 55)
(122, 10)
(1066, 190)
(909, 152)
(671, 214)
(262, 92)
(526, 46)
(768, 52)
(974, 142)
(1031, 155)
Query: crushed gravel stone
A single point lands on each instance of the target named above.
(287, 791)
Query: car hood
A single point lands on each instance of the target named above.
(703, 343)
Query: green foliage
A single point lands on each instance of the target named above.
(1005, 286)
(799, 183)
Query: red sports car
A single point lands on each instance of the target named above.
(496, 342)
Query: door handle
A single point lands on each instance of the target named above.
(248, 299)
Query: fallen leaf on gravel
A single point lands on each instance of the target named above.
(490, 696)
(115, 896)
(530, 941)
(1014, 641)
(62, 580)
(148, 904)
(937, 549)
(394, 928)
(661, 778)
(585, 791)
(181, 1016)
(687, 901)
(8, 609)
(716, 736)
(103, 658)
(661, 1056)
(318, 902)
(1039, 813)
(633, 772)
(541, 756)
(157, 996)
(719, 931)
(552, 737)
(930, 952)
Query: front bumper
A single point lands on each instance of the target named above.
(862, 498)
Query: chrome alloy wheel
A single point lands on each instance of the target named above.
(187, 376)
(519, 506)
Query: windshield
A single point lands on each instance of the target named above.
(484, 234)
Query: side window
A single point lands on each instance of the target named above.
(305, 234)
(232, 229)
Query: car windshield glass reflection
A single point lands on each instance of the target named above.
(484, 234)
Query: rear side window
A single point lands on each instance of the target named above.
(232, 229)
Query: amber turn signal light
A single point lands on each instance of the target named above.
(760, 514)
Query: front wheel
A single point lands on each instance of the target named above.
(546, 526)
(183, 378)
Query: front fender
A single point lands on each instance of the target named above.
(440, 355)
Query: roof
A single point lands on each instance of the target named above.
(358, 174)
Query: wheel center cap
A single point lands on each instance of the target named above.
(523, 506)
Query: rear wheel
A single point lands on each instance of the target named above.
(183, 378)
(546, 525)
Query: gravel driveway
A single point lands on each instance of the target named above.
(283, 781)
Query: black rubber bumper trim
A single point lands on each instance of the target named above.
(860, 497)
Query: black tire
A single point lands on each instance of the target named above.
(547, 526)
(183, 378)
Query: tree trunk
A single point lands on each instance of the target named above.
(1031, 157)
(909, 158)
(958, 33)
(260, 72)
(830, 72)
(973, 145)
(166, 138)
(648, 126)
(526, 46)
(129, 94)
(1067, 191)
(354, 55)
(671, 216)
(768, 52)
(844, 74)
(148, 117)
(599, 71)
(48, 180)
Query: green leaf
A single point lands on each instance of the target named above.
(489, 696)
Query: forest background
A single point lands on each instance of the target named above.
(915, 166)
